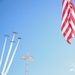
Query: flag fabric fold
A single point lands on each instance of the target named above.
(68, 20)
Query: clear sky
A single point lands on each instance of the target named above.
(38, 23)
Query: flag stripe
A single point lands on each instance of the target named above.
(68, 20)
(65, 5)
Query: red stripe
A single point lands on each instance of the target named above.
(69, 37)
(72, 18)
(63, 2)
(63, 25)
(64, 10)
(67, 29)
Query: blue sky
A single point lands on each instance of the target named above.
(38, 23)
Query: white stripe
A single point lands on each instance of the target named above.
(12, 58)
(73, 13)
(72, 35)
(69, 0)
(68, 33)
(65, 27)
(3, 51)
(8, 55)
(72, 24)
(65, 2)
(65, 15)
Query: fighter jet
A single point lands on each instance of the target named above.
(19, 38)
(6, 35)
(15, 32)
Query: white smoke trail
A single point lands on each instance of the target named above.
(3, 50)
(8, 54)
(12, 58)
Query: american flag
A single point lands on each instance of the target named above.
(68, 20)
